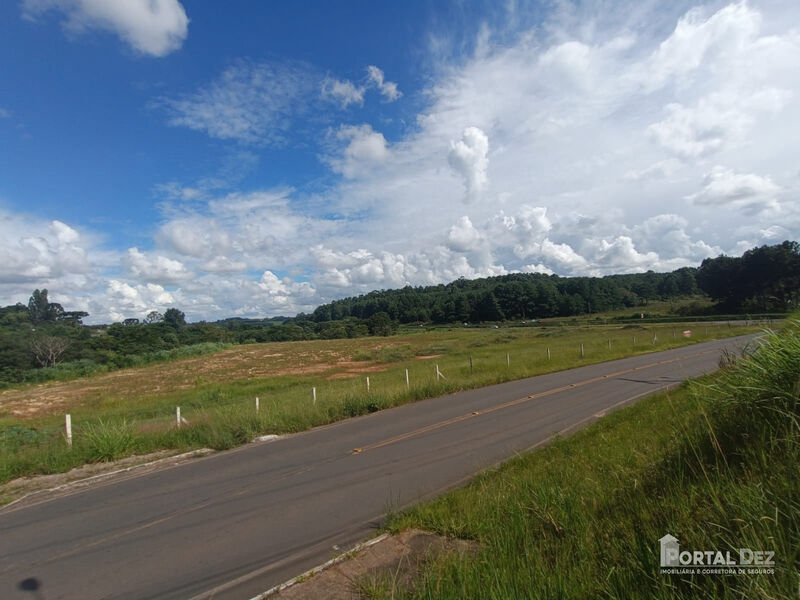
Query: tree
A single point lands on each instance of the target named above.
(488, 308)
(154, 317)
(175, 318)
(380, 324)
(41, 309)
(47, 349)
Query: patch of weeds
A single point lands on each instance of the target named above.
(106, 441)
(19, 435)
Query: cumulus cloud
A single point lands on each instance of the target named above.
(251, 102)
(604, 135)
(365, 149)
(34, 251)
(121, 300)
(463, 237)
(153, 27)
(155, 268)
(469, 157)
(750, 192)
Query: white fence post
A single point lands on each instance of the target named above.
(314, 396)
(256, 403)
(178, 415)
(407, 384)
(368, 385)
(548, 353)
(582, 352)
(508, 360)
(68, 426)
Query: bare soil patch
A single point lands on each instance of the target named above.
(396, 559)
(242, 362)
(427, 356)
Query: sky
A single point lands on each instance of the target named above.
(257, 159)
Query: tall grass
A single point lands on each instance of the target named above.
(713, 463)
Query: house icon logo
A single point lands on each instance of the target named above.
(670, 551)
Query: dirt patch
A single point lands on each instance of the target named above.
(396, 559)
(427, 356)
(355, 367)
(242, 362)
(41, 487)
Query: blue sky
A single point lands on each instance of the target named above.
(256, 159)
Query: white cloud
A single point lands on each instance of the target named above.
(605, 127)
(717, 119)
(122, 300)
(37, 251)
(562, 256)
(463, 237)
(254, 103)
(365, 149)
(155, 268)
(154, 27)
(388, 89)
(469, 157)
(750, 192)
(344, 92)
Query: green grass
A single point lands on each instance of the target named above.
(714, 463)
(221, 414)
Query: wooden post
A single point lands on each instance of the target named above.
(437, 373)
(548, 353)
(508, 360)
(609, 345)
(368, 385)
(470, 364)
(68, 427)
(582, 352)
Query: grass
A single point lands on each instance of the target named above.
(216, 393)
(713, 463)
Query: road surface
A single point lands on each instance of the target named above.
(233, 524)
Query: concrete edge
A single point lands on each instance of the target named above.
(311, 572)
(100, 476)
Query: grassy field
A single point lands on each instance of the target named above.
(132, 411)
(714, 463)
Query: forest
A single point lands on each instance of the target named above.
(41, 340)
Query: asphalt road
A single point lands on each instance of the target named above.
(234, 524)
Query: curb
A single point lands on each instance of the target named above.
(100, 476)
(311, 572)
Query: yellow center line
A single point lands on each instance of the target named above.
(510, 403)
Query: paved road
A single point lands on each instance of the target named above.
(236, 523)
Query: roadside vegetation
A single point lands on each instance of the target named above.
(133, 411)
(713, 463)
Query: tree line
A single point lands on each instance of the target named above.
(42, 339)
